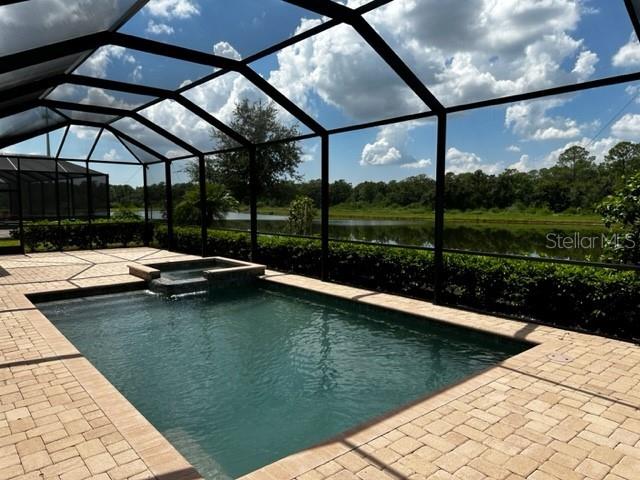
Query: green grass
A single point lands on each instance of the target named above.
(9, 242)
(476, 216)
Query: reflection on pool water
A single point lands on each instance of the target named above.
(240, 378)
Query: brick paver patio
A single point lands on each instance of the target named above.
(59, 418)
(565, 409)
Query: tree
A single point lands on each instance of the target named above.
(552, 191)
(576, 159)
(126, 196)
(218, 202)
(623, 158)
(621, 213)
(370, 193)
(577, 168)
(512, 187)
(340, 191)
(259, 123)
(301, 213)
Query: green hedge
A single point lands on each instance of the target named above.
(588, 298)
(47, 235)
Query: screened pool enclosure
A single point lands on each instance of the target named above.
(51, 190)
(49, 84)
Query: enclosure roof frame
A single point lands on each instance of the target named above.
(334, 14)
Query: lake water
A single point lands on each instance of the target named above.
(581, 242)
(521, 239)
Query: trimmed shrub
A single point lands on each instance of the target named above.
(588, 298)
(48, 235)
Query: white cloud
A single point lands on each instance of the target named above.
(530, 121)
(480, 48)
(225, 49)
(220, 96)
(97, 64)
(149, 137)
(112, 155)
(89, 96)
(340, 69)
(628, 55)
(469, 50)
(310, 152)
(424, 163)
(464, 162)
(83, 133)
(29, 24)
(633, 91)
(597, 148)
(627, 127)
(585, 65)
(390, 147)
(522, 165)
(513, 148)
(176, 119)
(159, 28)
(554, 133)
(173, 8)
(381, 152)
(136, 74)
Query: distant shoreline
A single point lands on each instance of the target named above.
(505, 217)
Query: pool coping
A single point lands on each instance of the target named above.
(165, 462)
(304, 461)
(159, 455)
(163, 459)
(145, 453)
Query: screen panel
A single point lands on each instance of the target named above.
(336, 77)
(28, 121)
(234, 100)
(141, 68)
(79, 142)
(99, 195)
(37, 177)
(157, 194)
(185, 192)
(149, 137)
(469, 51)
(142, 155)
(39, 71)
(181, 122)
(527, 178)
(97, 96)
(52, 21)
(110, 149)
(236, 31)
(87, 116)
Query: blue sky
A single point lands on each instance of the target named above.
(471, 50)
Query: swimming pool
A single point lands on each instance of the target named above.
(241, 377)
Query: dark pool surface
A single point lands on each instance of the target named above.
(240, 378)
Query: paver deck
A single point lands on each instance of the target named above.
(568, 408)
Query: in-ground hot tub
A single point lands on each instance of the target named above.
(201, 274)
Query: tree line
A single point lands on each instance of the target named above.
(575, 183)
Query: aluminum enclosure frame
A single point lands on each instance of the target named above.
(335, 14)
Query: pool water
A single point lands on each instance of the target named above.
(237, 379)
